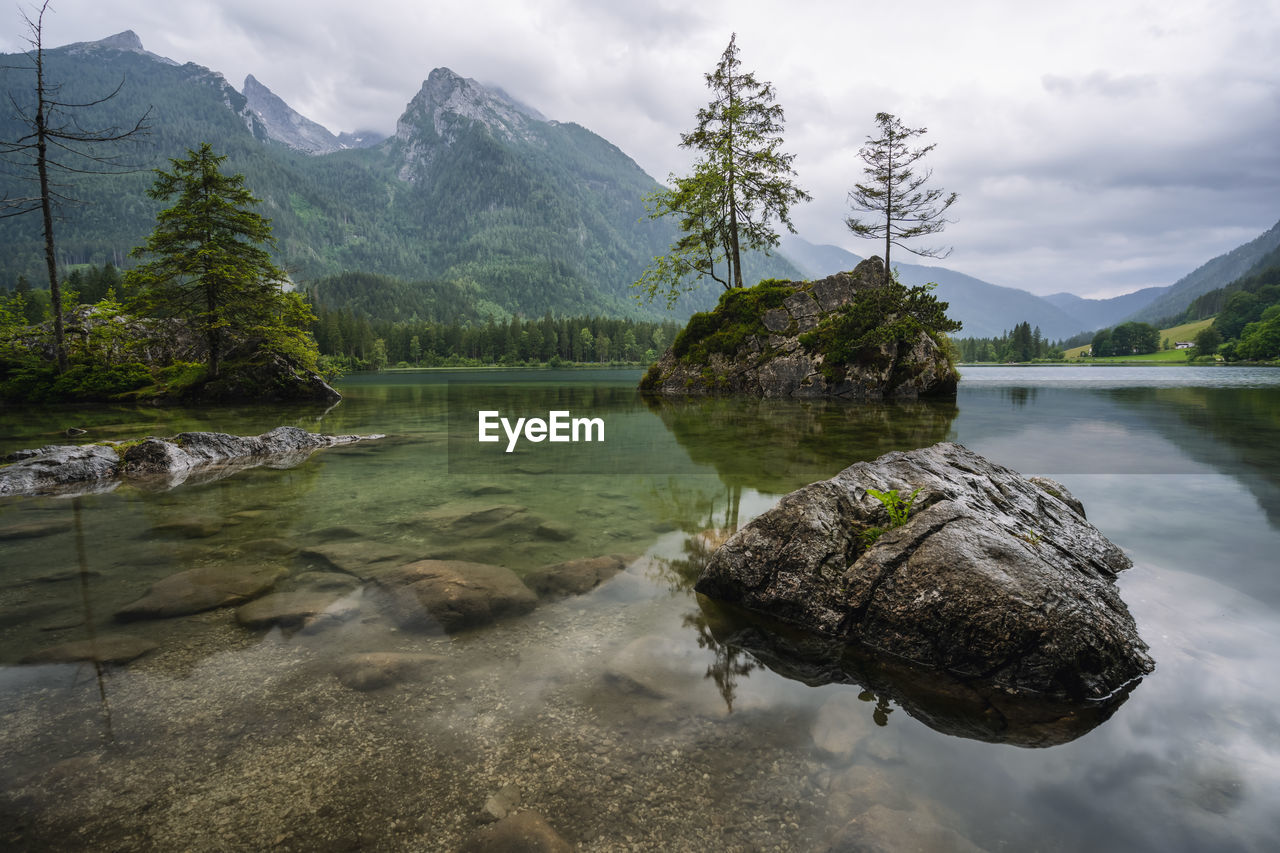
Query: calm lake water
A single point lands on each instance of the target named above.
(618, 715)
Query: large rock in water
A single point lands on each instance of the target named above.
(60, 468)
(993, 577)
(755, 343)
(157, 462)
(264, 377)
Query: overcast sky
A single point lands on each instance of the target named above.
(1098, 146)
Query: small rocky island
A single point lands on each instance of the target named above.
(986, 576)
(850, 336)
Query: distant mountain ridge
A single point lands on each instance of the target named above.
(1216, 273)
(1103, 313)
(986, 310)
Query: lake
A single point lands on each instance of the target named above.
(619, 715)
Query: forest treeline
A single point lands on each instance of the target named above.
(355, 341)
(1021, 343)
(369, 322)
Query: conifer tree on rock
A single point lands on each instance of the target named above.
(741, 183)
(209, 265)
(895, 194)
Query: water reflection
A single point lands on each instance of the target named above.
(777, 446)
(82, 565)
(948, 704)
(1019, 396)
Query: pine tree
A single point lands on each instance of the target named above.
(741, 182)
(895, 193)
(209, 266)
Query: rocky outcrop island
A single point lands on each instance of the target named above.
(849, 336)
(987, 577)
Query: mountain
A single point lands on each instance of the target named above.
(1104, 313)
(106, 211)
(284, 124)
(986, 310)
(474, 191)
(287, 126)
(1212, 275)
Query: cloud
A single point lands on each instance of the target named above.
(1101, 83)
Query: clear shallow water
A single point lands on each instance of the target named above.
(617, 715)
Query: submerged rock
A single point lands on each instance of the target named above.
(200, 589)
(188, 527)
(291, 609)
(358, 559)
(375, 670)
(993, 578)
(109, 648)
(34, 530)
(451, 595)
(574, 577)
(881, 829)
(523, 832)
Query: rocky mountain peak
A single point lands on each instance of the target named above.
(127, 40)
(447, 104)
(285, 124)
(446, 96)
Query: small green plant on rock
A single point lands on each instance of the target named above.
(898, 508)
(1031, 537)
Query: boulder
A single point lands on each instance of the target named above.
(157, 462)
(574, 577)
(992, 578)
(451, 595)
(263, 377)
(200, 589)
(192, 450)
(60, 469)
(756, 343)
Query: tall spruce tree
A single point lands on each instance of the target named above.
(741, 183)
(895, 194)
(209, 266)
